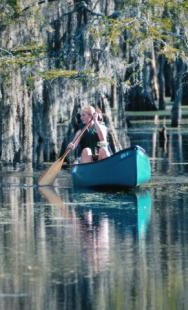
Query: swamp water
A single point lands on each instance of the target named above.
(62, 249)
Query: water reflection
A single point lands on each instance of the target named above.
(102, 232)
(127, 211)
(61, 249)
(144, 208)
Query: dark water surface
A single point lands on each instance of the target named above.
(62, 249)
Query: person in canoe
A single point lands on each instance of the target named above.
(93, 144)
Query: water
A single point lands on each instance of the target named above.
(62, 249)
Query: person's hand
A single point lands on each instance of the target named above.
(95, 117)
(71, 146)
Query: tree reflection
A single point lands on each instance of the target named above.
(62, 249)
(96, 246)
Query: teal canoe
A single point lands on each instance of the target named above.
(126, 168)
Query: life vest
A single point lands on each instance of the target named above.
(89, 139)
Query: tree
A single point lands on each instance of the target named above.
(155, 32)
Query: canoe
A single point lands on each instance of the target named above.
(126, 168)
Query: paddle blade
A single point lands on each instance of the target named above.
(51, 196)
(50, 174)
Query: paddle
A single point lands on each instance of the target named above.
(50, 174)
(52, 197)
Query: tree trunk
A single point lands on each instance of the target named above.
(161, 80)
(176, 109)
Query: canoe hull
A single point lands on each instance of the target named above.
(127, 168)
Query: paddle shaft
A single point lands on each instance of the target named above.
(51, 173)
(68, 149)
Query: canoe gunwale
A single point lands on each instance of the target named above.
(117, 154)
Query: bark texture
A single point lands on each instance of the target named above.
(53, 62)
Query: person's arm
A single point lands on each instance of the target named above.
(100, 128)
(72, 145)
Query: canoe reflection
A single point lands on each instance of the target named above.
(92, 246)
(127, 211)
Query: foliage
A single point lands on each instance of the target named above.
(9, 9)
(30, 82)
(21, 55)
(84, 75)
(54, 74)
(12, 3)
(161, 22)
(29, 49)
